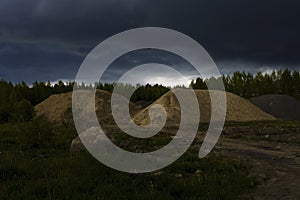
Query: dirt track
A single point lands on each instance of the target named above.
(276, 164)
(272, 149)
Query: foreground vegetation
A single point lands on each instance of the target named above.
(35, 163)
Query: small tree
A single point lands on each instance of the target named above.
(22, 111)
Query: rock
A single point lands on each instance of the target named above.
(179, 176)
(217, 147)
(93, 136)
(76, 146)
(198, 172)
(158, 173)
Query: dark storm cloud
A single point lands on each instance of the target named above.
(48, 39)
(65, 22)
(30, 62)
(264, 32)
(136, 58)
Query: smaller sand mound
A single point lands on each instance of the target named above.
(238, 109)
(57, 108)
(279, 105)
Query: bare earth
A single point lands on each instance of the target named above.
(276, 162)
(272, 151)
(58, 107)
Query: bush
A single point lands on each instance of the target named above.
(37, 133)
(22, 111)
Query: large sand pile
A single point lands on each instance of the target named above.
(57, 108)
(238, 109)
(279, 105)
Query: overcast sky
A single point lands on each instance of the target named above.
(48, 39)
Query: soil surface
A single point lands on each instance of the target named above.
(273, 153)
(271, 150)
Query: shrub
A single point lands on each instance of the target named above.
(37, 133)
(22, 111)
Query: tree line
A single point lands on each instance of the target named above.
(17, 100)
(248, 85)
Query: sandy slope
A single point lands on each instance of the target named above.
(57, 107)
(238, 109)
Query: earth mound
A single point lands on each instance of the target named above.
(238, 109)
(58, 107)
(281, 106)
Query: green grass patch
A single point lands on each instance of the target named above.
(35, 163)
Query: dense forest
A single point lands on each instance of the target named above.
(17, 100)
(248, 85)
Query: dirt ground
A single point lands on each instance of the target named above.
(273, 153)
(271, 149)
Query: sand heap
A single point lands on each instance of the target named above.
(57, 108)
(238, 109)
(279, 105)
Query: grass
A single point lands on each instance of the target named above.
(35, 163)
(272, 131)
(272, 123)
